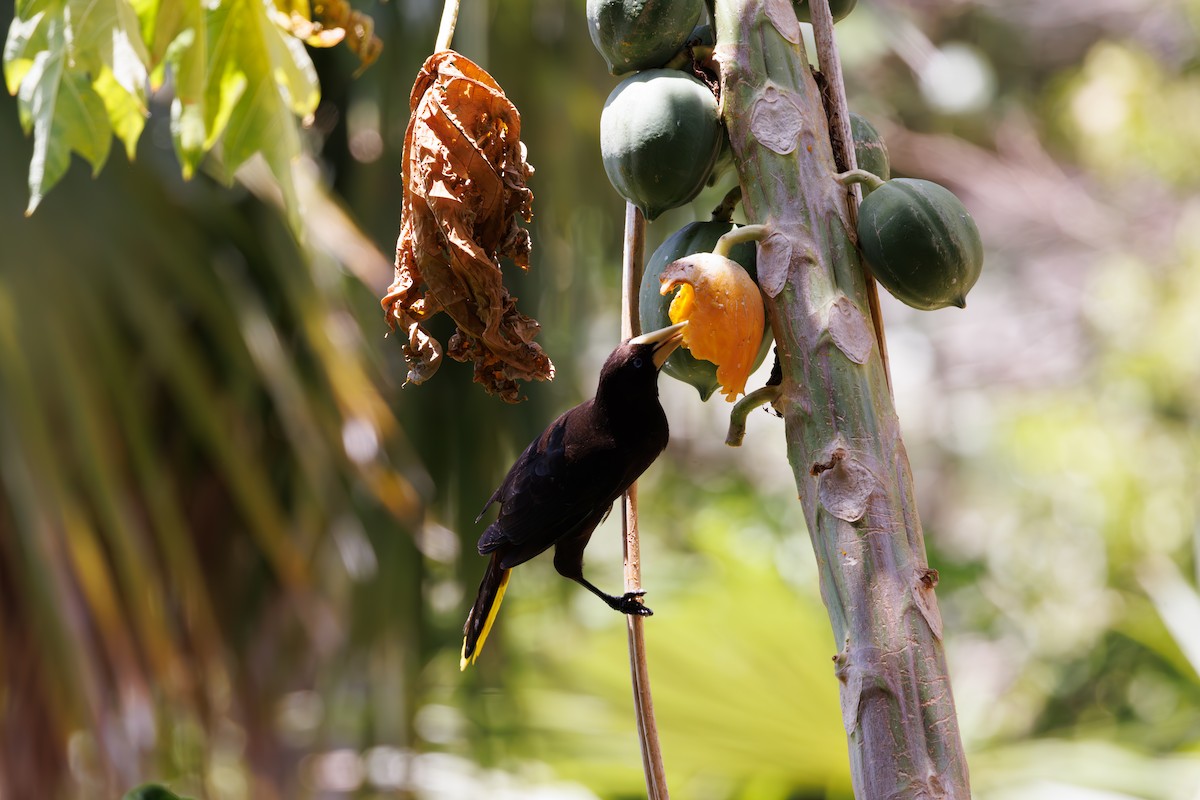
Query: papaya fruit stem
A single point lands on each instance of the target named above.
(688, 55)
(854, 176)
(742, 409)
(746, 233)
(724, 212)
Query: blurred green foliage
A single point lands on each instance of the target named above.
(235, 555)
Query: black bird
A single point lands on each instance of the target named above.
(565, 482)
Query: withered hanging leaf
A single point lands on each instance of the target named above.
(464, 186)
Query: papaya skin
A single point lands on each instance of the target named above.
(660, 135)
(640, 34)
(840, 9)
(919, 240)
(869, 149)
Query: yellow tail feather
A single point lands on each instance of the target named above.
(463, 660)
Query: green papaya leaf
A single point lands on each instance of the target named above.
(240, 81)
(187, 59)
(65, 115)
(81, 68)
(78, 68)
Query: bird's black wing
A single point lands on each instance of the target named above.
(553, 491)
(542, 454)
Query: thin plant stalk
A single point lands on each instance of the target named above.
(446, 28)
(632, 262)
(838, 112)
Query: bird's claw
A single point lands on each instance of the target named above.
(630, 603)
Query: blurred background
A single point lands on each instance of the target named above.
(236, 555)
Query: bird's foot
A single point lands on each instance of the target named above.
(630, 603)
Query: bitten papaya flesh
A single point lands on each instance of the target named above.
(660, 135)
(920, 243)
(695, 237)
(724, 310)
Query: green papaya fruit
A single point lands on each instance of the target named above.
(660, 135)
(640, 34)
(869, 150)
(920, 243)
(839, 8)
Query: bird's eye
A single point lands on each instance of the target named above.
(637, 363)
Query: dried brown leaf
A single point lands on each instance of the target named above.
(334, 21)
(464, 189)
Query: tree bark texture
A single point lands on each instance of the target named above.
(843, 437)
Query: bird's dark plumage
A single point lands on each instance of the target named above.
(565, 482)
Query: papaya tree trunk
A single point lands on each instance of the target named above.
(843, 437)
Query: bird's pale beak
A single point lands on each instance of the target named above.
(665, 341)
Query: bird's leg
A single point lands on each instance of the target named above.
(568, 561)
(628, 603)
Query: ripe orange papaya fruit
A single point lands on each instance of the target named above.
(695, 237)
